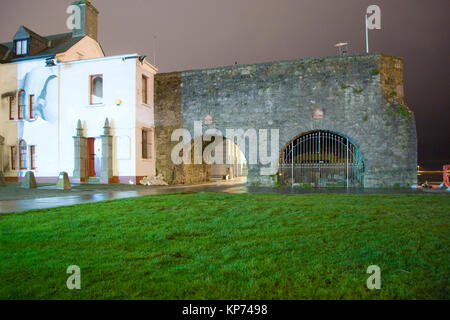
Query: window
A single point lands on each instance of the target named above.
(13, 158)
(96, 89)
(146, 144)
(31, 104)
(11, 108)
(33, 157)
(22, 154)
(21, 47)
(144, 89)
(21, 104)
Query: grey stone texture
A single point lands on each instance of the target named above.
(361, 96)
(80, 171)
(63, 182)
(2, 164)
(29, 181)
(107, 153)
(2, 179)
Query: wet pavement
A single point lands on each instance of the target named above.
(95, 195)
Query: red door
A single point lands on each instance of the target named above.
(91, 156)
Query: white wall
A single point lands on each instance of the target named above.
(66, 100)
(8, 128)
(41, 81)
(145, 119)
(118, 84)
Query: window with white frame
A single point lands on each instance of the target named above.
(11, 107)
(147, 146)
(21, 47)
(144, 89)
(13, 158)
(21, 104)
(96, 89)
(23, 155)
(33, 157)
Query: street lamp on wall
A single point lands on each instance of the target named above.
(50, 62)
(140, 58)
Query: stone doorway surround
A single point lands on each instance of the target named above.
(81, 155)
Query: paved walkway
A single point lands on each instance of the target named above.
(48, 197)
(51, 198)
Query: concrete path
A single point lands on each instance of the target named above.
(68, 198)
(95, 194)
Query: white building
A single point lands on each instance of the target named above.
(67, 107)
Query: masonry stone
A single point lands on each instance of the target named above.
(63, 181)
(2, 179)
(2, 164)
(80, 172)
(360, 97)
(107, 153)
(29, 181)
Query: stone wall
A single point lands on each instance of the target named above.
(355, 93)
(168, 117)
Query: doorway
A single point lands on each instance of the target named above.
(94, 160)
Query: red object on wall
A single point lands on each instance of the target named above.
(447, 175)
(11, 108)
(31, 106)
(91, 156)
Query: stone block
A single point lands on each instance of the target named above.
(2, 179)
(63, 181)
(29, 181)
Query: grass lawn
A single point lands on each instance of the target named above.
(224, 246)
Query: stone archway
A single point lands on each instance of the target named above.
(321, 158)
(207, 158)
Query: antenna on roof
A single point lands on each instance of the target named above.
(342, 48)
(154, 50)
(142, 58)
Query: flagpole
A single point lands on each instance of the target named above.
(367, 37)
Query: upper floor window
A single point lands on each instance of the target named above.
(21, 104)
(144, 89)
(21, 47)
(96, 89)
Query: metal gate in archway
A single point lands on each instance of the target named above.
(321, 159)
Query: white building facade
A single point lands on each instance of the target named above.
(67, 107)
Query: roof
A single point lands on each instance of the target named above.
(57, 43)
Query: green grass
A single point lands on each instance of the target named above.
(222, 246)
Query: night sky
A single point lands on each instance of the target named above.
(194, 34)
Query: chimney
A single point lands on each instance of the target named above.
(88, 19)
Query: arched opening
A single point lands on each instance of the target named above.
(232, 165)
(96, 89)
(321, 159)
(209, 158)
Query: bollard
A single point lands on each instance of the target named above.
(2, 179)
(29, 181)
(63, 181)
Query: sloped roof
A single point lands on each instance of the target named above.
(57, 43)
(25, 33)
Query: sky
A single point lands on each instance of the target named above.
(180, 35)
